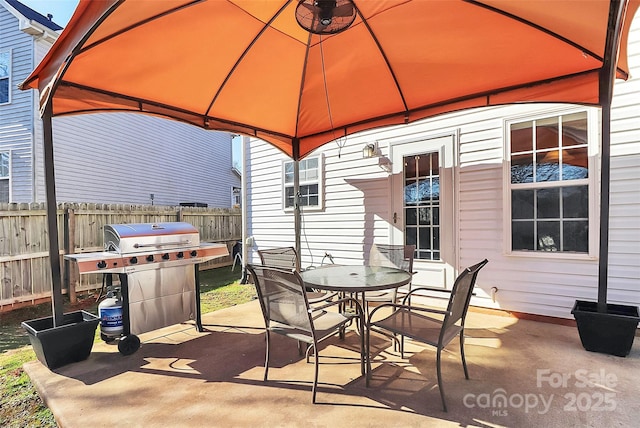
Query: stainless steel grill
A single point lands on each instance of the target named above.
(157, 264)
(132, 248)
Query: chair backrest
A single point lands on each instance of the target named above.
(281, 257)
(389, 255)
(282, 297)
(461, 294)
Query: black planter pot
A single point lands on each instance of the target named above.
(611, 332)
(61, 345)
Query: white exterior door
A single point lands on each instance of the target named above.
(423, 206)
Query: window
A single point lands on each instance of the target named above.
(422, 204)
(235, 197)
(5, 170)
(550, 184)
(310, 183)
(5, 77)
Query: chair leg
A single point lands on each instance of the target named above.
(444, 404)
(464, 361)
(266, 360)
(308, 352)
(315, 379)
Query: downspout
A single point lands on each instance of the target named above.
(34, 163)
(607, 78)
(52, 215)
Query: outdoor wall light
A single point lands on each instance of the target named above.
(370, 150)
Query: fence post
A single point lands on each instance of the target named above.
(69, 232)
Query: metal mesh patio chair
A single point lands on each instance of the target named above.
(431, 326)
(387, 255)
(287, 258)
(286, 311)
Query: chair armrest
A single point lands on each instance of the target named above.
(398, 306)
(439, 290)
(414, 290)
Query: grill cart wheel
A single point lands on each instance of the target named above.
(127, 345)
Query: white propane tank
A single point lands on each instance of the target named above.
(110, 313)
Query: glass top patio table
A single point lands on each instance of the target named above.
(355, 279)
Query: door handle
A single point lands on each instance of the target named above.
(395, 217)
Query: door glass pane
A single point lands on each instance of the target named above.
(424, 238)
(424, 216)
(410, 192)
(422, 206)
(410, 217)
(411, 236)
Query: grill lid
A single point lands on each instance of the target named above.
(145, 237)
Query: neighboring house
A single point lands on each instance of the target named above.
(516, 184)
(103, 158)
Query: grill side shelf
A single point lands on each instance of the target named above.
(97, 262)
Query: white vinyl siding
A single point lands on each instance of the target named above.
(358, 211)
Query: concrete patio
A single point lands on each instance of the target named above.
(522, 373)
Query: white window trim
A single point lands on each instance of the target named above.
(8, 177)
(593, 148)
(320, 183)
(9, 51)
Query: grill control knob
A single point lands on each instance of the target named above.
(150, 258)
(180, 255)
(102, 264)
(133, 260)
(165, 256)
(194, 253)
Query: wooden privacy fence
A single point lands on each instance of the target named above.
(24, 241)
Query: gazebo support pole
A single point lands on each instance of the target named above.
(607, 78)
(297, 216)
(52, 218)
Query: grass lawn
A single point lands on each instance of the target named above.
(20, 405)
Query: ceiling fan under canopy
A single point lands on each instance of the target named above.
(325, 16)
